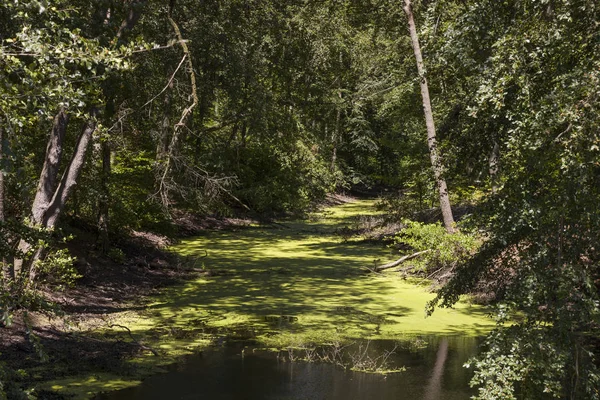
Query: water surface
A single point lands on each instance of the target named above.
(433, 371)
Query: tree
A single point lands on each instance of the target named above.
(436, 162)
(537, 84)
(51, 67)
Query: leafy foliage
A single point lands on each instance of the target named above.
(446, 250)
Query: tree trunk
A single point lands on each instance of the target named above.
(49, 175)
(336, 133)
(104, 202)
(493, 164)
(1, 172)
(335, 137)
(64, 190)
(431, 138)
(70, 176)
(47, 182)
(162, 147)
(4, 266)
(49, 215)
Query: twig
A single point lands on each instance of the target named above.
(556, 139)
(168, 83)
(142, 346)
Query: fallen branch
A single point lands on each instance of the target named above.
(399, 261)
(405, 269)
(142, 346)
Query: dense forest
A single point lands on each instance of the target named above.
(125, 115)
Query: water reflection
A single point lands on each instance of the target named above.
(434, 388)
(434, 371)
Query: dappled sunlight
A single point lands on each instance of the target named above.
(297, 284)
(83, 387)
(303, 271)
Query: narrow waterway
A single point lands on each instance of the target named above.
(296, 288)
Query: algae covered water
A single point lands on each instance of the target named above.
(296, 285)
(433, 371)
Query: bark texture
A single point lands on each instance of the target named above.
(70, 176)
(431, 136)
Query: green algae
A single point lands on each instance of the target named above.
(306, 271)
(287, 285)
(84, 387)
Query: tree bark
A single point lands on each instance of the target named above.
(70, 176)
(46, 184)
(64, 190)
(431, 136)
(49, 215)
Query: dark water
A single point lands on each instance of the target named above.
(433, 371)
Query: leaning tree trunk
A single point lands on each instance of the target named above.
(70, 176)
(431, 139)
(65, 188)
(49, 176)
(46, 184)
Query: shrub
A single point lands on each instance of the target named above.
(446, 250)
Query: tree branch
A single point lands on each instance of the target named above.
(399, 261)
(163, 186)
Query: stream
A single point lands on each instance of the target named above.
(290, 311)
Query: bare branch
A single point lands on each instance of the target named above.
(163, 187)
(168, 83)
(399, 261)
